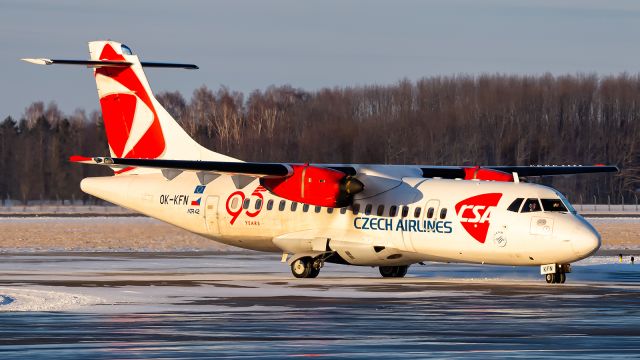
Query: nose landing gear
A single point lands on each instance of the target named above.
(555, 273)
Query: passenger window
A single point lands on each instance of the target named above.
(258, 204)
(416, 212)
(367, 209)
(405, 211)
(245, 205)
(515, 205)
(531, 205)
(356, 209)
(305, 207)
(234, 202)
(553, 205)
(294, 206)
(443, 213)
(430, 212)
(380, 211)
(318, 209)
(393, 211)
(343, 210)
(329, 210)
(269, 204)
(282, 205)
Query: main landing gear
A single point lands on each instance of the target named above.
(555, 273)
(394, 271)
(307, 267)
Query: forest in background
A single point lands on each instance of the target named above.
(443, 120)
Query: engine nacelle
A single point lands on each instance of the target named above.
(478, 173)
(315, 186)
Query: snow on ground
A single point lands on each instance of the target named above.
(19, 299)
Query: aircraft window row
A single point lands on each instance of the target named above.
(380, 210)
(535, 205)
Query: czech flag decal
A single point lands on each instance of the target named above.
(196, 202)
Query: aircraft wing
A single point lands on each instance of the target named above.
(462, 172)
(221, 167)
(278, 170)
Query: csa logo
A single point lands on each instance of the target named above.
(474, 214)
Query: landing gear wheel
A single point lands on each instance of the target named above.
(393, 271)
(314, 273)
(305, 267)
(557, 278)
(401, 271)
(301, 268)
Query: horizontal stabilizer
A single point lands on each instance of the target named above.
(108, 63)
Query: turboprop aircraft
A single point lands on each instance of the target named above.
(385, 216)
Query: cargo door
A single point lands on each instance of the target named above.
(428, 212)
(211, 215)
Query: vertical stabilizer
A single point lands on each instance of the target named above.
(137, 125)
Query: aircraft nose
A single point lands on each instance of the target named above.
(586, 241)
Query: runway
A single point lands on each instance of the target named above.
(247, 305)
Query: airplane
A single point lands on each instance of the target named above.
(385, 216)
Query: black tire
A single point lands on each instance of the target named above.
(549, 278)
(401, 271)
(387, 271)
(301, 268)
(393, 271)
(563, 278)
(313, 273)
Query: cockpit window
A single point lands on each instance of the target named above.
(126, 50)
(515, 205)
(531, 205)
(553, 205)
(566, 203)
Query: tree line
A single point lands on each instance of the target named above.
(442, 120)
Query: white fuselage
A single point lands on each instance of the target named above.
(430, 229)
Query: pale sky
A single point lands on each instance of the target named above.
(249, 45)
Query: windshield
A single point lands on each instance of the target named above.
(531, 205)
(553, 205)
(566, 203)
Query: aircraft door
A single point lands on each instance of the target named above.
(429, 211)
(211, 215)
